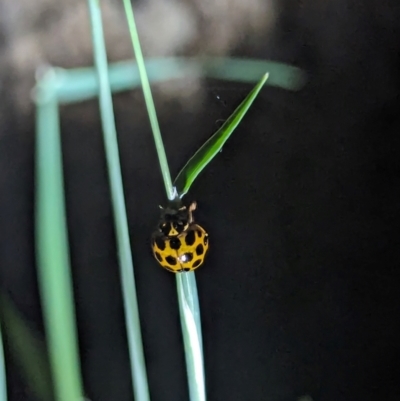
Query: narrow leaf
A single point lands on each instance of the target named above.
(132, 318)
(189, 311)
(76, 85)
(3, 379)
(28, 351)
(210, 149)
(52, 248)
(281, 75)
(148, 97)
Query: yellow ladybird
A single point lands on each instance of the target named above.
(179, 244)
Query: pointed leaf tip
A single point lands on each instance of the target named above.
(213, 145)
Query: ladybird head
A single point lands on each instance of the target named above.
(175, 219)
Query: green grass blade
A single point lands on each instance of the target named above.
(151, 110)
(81, 83)
(52, 249)
(191, 332)
(249, 70)
(186, 283)
(3, 379)
(211, 147)
(138, 366)
(28, 351)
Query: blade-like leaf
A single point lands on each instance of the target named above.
(186, 283)
(28, 351)
(189, 311)
(148, 97)
(281, 75)
(3, 379)
(76, 85)
(132, 318)
(52, 249)
(210, 149)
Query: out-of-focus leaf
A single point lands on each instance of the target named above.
(132, 318)
(52, 248)
(28, 351)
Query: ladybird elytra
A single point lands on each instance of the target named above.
(179, 244)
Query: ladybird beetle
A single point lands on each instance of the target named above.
(179, 244)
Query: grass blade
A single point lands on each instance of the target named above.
(211, 147)
(249, 70)
(151, 110)
(3, 379)
(138, 366)
(28, 352)
(81, 83)
(186, 282)
(191, 332)
(52, 248)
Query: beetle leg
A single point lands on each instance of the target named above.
(192, 207)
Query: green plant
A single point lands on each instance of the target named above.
(57, 86)
(3, 381)
(186, 282)
(26, 346)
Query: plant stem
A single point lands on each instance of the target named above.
(186, 282)
(52, 249)
(28, 351)
(138, 367)
(191, 332)
(81, 83)
(3, 379)
(151, 110)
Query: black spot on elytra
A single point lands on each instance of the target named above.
(196, 263)
(175, 243)
(187, 257)
(160, 243)
(186, 269)
(205, 239)
(171, 260)
(190, 238)
(158, 256)
(199, 250)
(199, 233)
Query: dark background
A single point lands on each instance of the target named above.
(299, 292)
